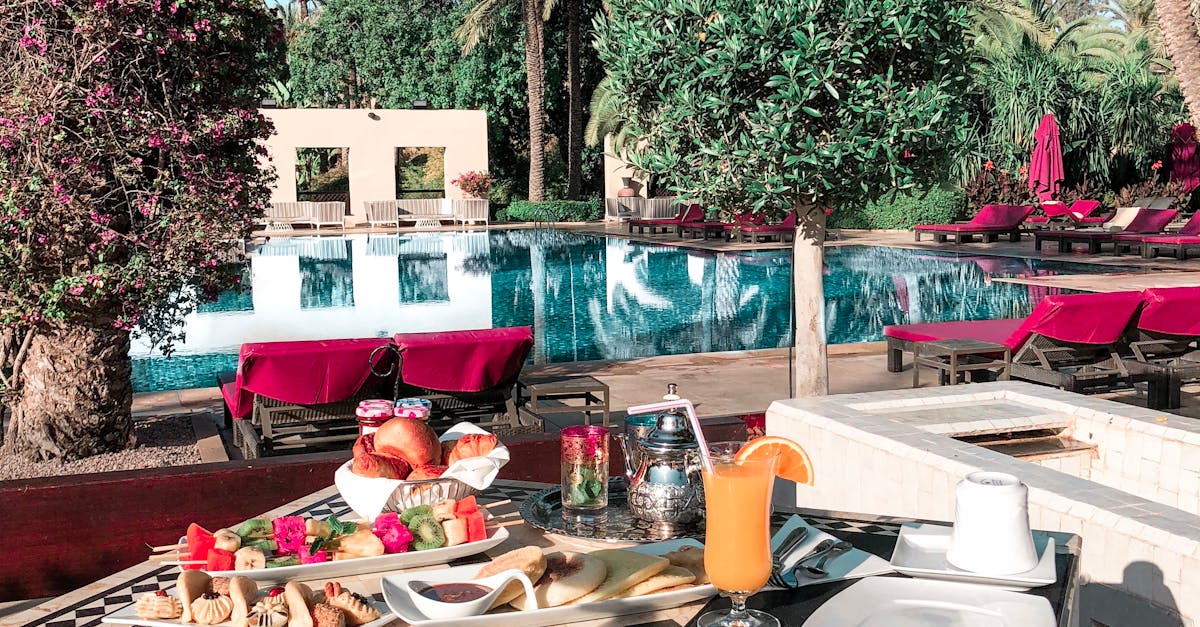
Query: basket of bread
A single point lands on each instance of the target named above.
(405, 464)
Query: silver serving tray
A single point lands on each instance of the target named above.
(616, 524)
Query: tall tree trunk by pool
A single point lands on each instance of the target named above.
(1179, 32)
(535, 77)
(575, 111)
(76, 396)
(810, 368)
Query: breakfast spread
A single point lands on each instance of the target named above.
(205, 600)
(293, 540)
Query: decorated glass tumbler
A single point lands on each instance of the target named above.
(584, 472)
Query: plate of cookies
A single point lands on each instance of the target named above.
(567, 586)
(198, 599)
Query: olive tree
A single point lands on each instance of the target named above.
(806, 105)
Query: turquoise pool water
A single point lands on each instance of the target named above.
(587, 297)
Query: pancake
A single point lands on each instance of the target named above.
(529, 560)
(568, 576)
(670, 577)
(691, 558)
(625, 568)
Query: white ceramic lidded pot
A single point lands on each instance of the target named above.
(991, 526)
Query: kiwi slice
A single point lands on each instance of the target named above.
(255, 528)
(420, 510)
(283, 560)
(266, 545)
(427, 533)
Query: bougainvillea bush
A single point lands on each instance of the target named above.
(474, 184)
(128, 163)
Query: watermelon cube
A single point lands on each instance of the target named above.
(314, 558)
(199, 543)
(289, 534)
(465, 506)
(219, 559)
(475, 527)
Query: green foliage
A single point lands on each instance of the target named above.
(554, 211)
(129, 148)
(902, 210)
(773, 105)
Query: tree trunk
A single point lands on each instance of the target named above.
(575, 111)
(535, 80)
(303, 10)
(810, 368)
(1179, 32)
(77, 394)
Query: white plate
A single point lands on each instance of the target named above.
(128, 616)
(360, 565)
(398, 600)
(921, 552)
(900, 602)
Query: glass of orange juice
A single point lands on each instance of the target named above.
(737, 544)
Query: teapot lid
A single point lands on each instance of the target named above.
(671, 434)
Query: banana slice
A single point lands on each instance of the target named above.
(249, 558)
(227, 540)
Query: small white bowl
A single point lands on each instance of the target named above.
(442, 610)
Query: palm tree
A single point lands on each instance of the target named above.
(1181, 34)
(478, 25)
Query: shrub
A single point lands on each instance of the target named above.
(905, 209)
(474, 184)
(554, 211)
(993, 185)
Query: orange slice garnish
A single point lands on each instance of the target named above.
(794, 463)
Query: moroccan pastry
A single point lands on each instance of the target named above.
(357, 608)
(190, 585)
(158, 605)
(529, 560)
(220, 585)
(624, 569)
(271, 611)
(691, 558)
(299, 603)
(568, 576)
(325, 615)
(211, 608)
(361, 543)
(242, 591)
(470, 445)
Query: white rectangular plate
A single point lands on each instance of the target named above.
(399, 602)
(900, 602)
(921, 552)
(361, 565)
(128, 616)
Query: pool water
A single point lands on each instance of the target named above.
(587, 297)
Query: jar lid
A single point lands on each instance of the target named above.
(642, 420)
(671, 434)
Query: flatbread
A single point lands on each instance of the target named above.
(670, 577)
(529, 560)
(625, 568)
(691, 558)
(568, 576)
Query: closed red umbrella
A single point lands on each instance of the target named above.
(1046, 166)
(1185, 157)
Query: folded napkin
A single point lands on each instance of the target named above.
(852, 564)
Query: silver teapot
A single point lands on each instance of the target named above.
(663, 472)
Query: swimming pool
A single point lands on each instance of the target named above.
(587, 297)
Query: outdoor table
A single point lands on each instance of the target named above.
(590, 390)
(873, 534)
(953, 356)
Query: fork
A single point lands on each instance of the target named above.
(789, 544)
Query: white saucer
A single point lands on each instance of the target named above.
(900, 602)
(921, 552)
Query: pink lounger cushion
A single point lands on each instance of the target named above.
(990, 218)
(1171, 310)
(955, 228)
(693, 213)
(1184, 240)
(994, 331)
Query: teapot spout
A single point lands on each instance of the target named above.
(623, 440)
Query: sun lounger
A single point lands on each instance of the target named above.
(784, 231)
(1168, 329)
(1147, 221)
(1080, 212)
(1149, 246)
(990, 223)
(691, 213)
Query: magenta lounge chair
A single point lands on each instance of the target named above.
(785, 231)
(718, 230)
(1147, 221)
(1068, 341)
(1168, 329)
(691, 213)
(1084, 212)
(1149, 246)
(991, 222)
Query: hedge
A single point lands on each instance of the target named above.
(903, 210)
(554, 211)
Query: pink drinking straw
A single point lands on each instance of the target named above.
(685, 404)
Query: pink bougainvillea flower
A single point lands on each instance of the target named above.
(989, 166)
(1156, 166)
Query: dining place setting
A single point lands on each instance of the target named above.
(418, 530)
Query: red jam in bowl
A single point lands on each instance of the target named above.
(455, 592)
